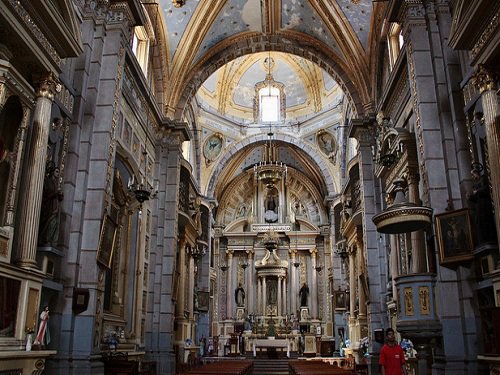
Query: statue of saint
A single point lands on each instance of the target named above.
(48, 233)
(483, 219)
(304, 294)
(239, 296)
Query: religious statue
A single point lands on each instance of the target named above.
(271, 207)
(43, 336)
(304, 294)
(239, 296)
(48, 233)
(484, 222)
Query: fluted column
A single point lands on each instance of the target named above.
(250, 283)
(181, 292)
(279, 301)
(191, 286)
(393, 265)
(419, 258)
(485, 81)
(293, 293)
(259, 295)
(230, 285)
(314, 279)
(264, 294)
(284, 302)
(361, 289)
(352, 281)
(35, 172)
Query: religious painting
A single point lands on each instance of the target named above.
(107, 241)
(203, 300)
(454, 236)
(339, 300)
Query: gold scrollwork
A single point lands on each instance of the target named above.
(408, 298)
(423, 296)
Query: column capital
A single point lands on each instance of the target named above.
(47, 86)
(484, 79)
(230, 253)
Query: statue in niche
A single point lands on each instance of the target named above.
(483, 219)
(52, 196)
(271, 206)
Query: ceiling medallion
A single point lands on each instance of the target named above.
(178, 3)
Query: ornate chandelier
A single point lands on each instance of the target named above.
(270, 171)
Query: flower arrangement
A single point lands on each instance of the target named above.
(271, 330)
(363, 346)
(408, 349)
(112, 341)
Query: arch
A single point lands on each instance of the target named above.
(236, 147)
(231, 49)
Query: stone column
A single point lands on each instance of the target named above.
(181, 292)
(352, 281)
(361, 289)
(293, 287)
(485, 82)
(31, 203)
(230, 284)
(393, 264)
(190, 291)
(259, 295)
(284, 303)
(264, 295)
(419, 258)
(279, 301)
(314, 287)
(250, 283)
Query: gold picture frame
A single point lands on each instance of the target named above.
(339, 300)
(454, 236)
(107, 241)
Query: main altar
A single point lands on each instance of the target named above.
(272, 280)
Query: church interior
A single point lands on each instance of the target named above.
(232, 179)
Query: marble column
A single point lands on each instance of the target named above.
(314, 279)
(181, 296)
(190, 291)
(259, 295)
(393, 264)
(250, 283)
(293, 287)
(279, 301)
(264, 295)
(419, 258)
(485, 81)
(230, 284)
(361, 290)
(31, 203)
(352, 281)
(284, 302)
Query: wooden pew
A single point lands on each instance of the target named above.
(222, 368)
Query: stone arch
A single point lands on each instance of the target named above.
(226, 52)
(319, 163)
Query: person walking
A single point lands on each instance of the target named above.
(392, 358)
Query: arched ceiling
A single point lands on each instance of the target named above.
(215, 52)
(201, 30)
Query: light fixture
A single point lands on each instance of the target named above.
(142, 191)
(318, 267)
(223, 267)
(178, 3)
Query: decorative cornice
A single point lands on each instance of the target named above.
(486, 36)
(38, 35)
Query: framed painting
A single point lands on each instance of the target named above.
(203, 301)
(107, 241)
(454, 236)
(339, 300)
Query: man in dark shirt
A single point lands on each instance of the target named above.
(392, 357)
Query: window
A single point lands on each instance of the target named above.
(269, 104)
(395, 43)
(140, 47)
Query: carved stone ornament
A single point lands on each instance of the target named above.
(484, 80)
